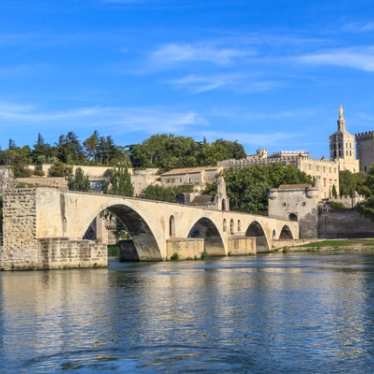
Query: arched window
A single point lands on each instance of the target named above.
(292, 217)
(224, 225)
(239, 226)
(223, 204)
(274, 234)
(172, 226)
(231, 226)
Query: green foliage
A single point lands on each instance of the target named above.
(18, 158)
(168, 194)
(349, 183)
(334, 192)
(367, 188)
(119, 182)
(204, 255)
(248, 187)
(174, 257)
(78, 181)
(170, 151)
(113, 250)
(42, 152)
(38, 171)
(367, 207)
(336, 205)
(59, 169)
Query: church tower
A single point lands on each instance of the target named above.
(343, 146)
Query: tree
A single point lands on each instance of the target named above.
(42, 152)
(79, 181)
(90, 146)
(119, 182)
(69, 149)
(248, 187)
(168, 194)
(166, 151)
(59, 169)
(334, 192)
(350, 183)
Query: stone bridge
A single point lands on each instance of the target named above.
(47, 228)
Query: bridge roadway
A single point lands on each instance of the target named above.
(54, 215)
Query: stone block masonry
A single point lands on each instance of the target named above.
(22, 250)
(185, 249)
(242, 246)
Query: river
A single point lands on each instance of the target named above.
(295, 313)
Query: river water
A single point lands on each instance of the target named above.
(268, 314)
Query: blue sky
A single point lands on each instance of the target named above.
(266, 73)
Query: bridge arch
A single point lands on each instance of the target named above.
(286, 233)
(142, 243)
(206, 229)
(255, 230)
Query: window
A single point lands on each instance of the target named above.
(239, 226)
(172, 227)
(231, 226)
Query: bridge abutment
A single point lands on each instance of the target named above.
(23, 250)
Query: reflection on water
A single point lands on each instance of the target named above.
(283, 313)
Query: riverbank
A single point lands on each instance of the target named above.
(332, 245)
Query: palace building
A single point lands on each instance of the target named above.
(343, 146)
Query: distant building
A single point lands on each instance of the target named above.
(343, 146)
(198, 177)
(324, 172)
(365, 150)
(263, 158)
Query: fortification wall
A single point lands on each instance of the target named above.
(344, 224)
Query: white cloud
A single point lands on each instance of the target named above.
(205, 83)
(359, 27)
(115, 119)
(175, 53)
(355, 58)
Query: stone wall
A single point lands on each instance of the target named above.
(185, 248)
(55, 182)
(344, 224)
(241, 245)
(66, 254)
(6, 178)
(22, 250)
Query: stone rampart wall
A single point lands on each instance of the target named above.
(344, 224)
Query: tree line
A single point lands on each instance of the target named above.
(163, 151)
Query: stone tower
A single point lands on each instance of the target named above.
(222, 200)
(343, 146)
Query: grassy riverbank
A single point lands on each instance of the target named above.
(334, 245)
